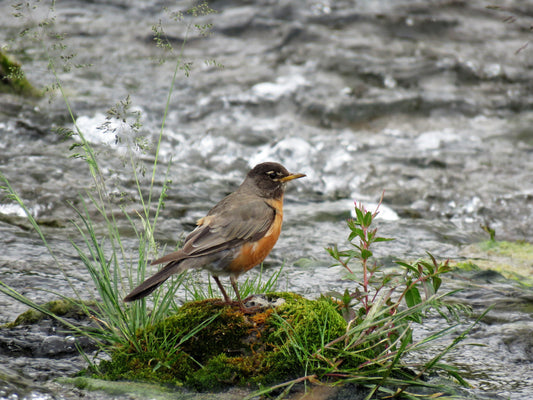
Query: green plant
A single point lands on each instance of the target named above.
(379, 312)
(418, 283)
(100, 213)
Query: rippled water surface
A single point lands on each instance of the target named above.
(430, 102)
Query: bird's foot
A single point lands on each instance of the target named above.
(252, 309)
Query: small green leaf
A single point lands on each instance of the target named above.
(432, 258)
(407, 266)
(444, 268)
(347, 297)
(348, 253)
(382, 239)
(334, 294)
(387, 279)
(429, 267)
(436, 283)
(366, 254)
(412, 297)
(333, 252)
(359, 215)
(352, 235)
(367, 219)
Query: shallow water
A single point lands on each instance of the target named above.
(429, 102)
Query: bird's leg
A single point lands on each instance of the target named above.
(233, 281)
(227, 300)
(244, 309)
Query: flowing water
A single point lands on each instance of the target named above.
(428, 101)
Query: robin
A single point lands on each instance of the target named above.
(235, 235)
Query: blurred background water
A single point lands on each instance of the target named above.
(430, 102)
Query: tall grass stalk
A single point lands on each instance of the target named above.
(104, 255)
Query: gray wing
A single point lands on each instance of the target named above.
(229, 224)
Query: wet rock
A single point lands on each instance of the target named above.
(34, 334)
(42, 340)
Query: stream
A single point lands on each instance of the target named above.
(428, 102)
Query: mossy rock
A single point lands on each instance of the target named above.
(513, 260)
(62, 308)
(12, 78)
(273, 344)
(223, 334)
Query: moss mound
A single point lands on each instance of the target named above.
(269, 345)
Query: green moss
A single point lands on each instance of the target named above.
(123, 389)
(221, 371)
(512, 259)
(235, 348)
(467, 266)
(298, 331)
(151, 366)
(307, 318)
(521, 249)
(63, 308)
(12, 78)
(222, 335)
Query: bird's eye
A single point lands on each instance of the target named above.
(272, 174)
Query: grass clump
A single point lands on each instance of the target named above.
(364, 335)
(226, 327)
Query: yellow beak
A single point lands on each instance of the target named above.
(291, 177)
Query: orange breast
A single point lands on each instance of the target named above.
(255, 252)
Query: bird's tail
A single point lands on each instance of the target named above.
(152, 283)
